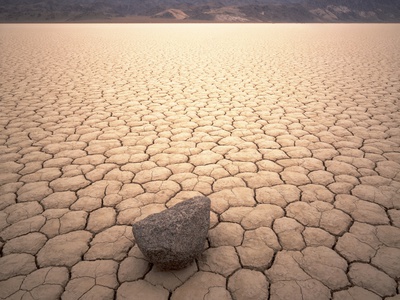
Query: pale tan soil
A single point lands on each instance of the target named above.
(291, 130)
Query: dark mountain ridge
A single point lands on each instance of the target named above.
(202, 10)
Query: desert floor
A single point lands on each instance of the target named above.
(292, 131)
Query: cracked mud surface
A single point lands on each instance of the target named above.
(292, 131)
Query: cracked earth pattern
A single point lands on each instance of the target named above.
(292, 131)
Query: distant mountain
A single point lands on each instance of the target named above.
(201, 10)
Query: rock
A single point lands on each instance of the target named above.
(173, 238)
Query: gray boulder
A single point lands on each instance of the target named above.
(173, 238)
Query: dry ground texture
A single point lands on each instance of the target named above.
(291, 130)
